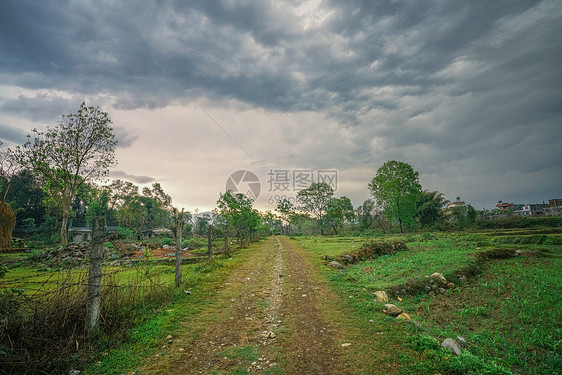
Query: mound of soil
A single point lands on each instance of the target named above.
(372, 250)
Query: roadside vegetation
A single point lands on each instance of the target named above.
(506, 310)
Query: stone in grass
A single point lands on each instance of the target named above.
(450, 285)
(392, 310)
(335, 264)
(440, 277)
(452, 346)
(381, 296)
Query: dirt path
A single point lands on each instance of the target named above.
(270, 317)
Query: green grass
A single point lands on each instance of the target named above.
(149, 336)
(510, 314)
(422, 259)
(331, 246)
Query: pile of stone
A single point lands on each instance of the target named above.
(438, 284)
(73, 252)
(70, 253)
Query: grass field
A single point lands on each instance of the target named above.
(509, 313)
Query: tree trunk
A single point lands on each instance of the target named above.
(64, 224)
(178, 255)
(93, 301)
(7, 225)
(226, 239)
(210, 241)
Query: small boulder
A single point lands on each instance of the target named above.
(440, 277)
(404, 316)
(392, 310)
(381, 296)
(335, 264)
(450, 285)
(452, 346)
(440, 290)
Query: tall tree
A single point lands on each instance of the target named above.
(338, 212)
(287, 211)
(314, 200)
(81, 148)
(397, 189)
(366, 214)
(430, 208)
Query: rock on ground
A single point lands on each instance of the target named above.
(335, 264)
(381, 296)
(452, 346)
(392, 310)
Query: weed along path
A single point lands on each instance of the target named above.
(275, 315)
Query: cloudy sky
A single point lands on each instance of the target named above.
(468, 92)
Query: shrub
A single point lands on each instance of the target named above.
(125, 233)
(46, 334)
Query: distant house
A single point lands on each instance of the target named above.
(530, 210)
(504, 207)
(554, 207)
(458, 206)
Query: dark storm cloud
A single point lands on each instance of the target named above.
(472, 83)
(125, 138)
(41, 108)
(11, 134)
(138, 179)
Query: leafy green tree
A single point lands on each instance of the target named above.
(314, 200)
(397, 189)
(26, 197)
(338, 212)
(81, 148)
(366, 214)
(237, 210)
(202, 223)
(430, 208)
(271, 223)
(133, 215)
(287, 212)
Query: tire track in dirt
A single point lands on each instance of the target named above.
(271, 308)
(314, 341)
(235, 319)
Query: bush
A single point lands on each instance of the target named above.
(165, 241)
(126, 233)
(47, 334)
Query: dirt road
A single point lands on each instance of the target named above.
(275, 315)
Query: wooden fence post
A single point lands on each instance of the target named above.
(93, 300)
(178, 253)
(210, 241)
